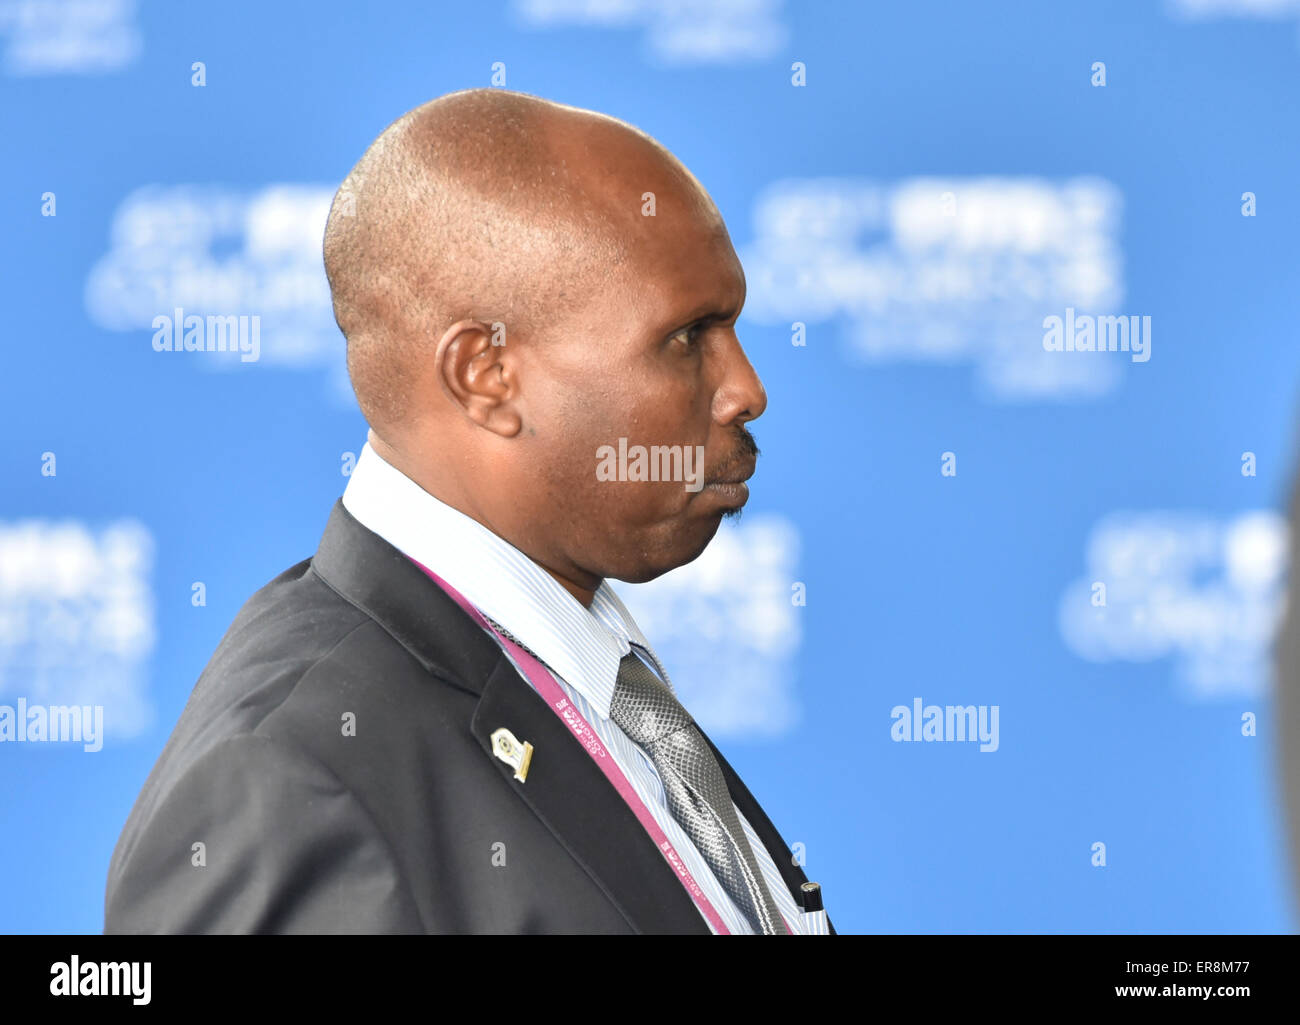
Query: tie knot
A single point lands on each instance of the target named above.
(643, 706)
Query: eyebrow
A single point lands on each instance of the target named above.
(704, 313)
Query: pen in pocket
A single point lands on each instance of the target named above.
(814, 915)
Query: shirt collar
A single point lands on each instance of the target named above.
(583, 647)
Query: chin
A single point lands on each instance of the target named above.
(683, 545)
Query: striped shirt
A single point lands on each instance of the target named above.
(580, 647)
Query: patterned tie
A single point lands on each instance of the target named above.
(646, 710)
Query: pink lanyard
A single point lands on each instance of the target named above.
(550, 691)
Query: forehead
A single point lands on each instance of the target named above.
(680, 265)
(674, 250)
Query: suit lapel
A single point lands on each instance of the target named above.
(567, 790)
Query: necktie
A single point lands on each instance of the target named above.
(648, 712)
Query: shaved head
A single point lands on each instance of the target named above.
(524, 285)
(474, 206)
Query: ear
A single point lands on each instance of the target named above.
(479, 376)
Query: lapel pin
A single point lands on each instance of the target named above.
(507, 747)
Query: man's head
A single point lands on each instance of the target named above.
(522, 286)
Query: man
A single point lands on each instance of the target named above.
(446, 721)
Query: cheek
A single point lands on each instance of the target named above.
(637, 486)
(577, 428)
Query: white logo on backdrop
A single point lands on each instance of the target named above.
(944, 270)
(676, 31)
(77, 618)
(76, 37)
(1206, 591)
(215, 251)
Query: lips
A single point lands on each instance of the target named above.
(738, 475)
(730, 486)
(730, 492)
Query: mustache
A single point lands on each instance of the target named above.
(742, 459)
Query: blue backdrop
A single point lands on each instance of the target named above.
(914, 188)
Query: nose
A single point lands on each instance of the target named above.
(740, 396)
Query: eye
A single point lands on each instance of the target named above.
(688, 337)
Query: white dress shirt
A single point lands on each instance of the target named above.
(580, 647)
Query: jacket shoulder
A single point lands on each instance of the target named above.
(224, 852)
(273, 674)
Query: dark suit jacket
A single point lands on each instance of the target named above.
(394, 829)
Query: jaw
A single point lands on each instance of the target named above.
(679, 545)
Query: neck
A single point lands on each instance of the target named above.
(584, 593)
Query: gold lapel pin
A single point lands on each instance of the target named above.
(507, 747)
